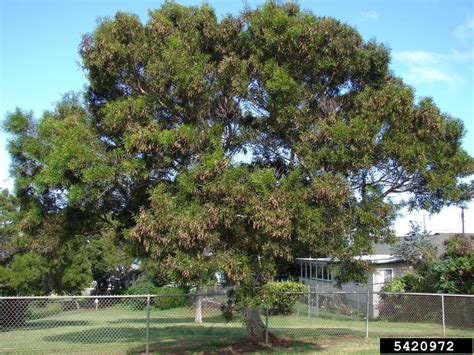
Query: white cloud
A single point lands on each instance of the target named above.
(463, 56)
(430, 67)
(465, 31)
(370, 15)
(418, 57)
(427, 74)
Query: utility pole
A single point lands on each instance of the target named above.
(424, 223)
(462, 218)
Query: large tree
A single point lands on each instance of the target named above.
(231, 145)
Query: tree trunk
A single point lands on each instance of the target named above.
(254, 324)
(198, 306)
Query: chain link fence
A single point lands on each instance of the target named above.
(190, 323)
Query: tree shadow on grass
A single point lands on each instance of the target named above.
(202, 339)
(100, 335)
(176, 320)
(314, 332)
(48, 324)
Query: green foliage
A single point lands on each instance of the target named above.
(279, 297)
(33, 274)
(110, 264)
(415, 247)
(395, 285)
(8, 215)
(453, 273)
(409, 282)
(142, 286)
(29, 274)
(4, 275)
(172, 297)
(5, 289)
(77, 274)
(458, 246)
(156, 272)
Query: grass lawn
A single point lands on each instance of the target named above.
(117, 329)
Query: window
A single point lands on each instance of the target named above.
(313, 271)
(320, 271)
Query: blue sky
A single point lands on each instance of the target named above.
(431, 41)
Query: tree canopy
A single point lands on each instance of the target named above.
(232, 144)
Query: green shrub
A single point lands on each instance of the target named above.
(165, 297)
(279, 297)
(395, 285)
(142, 287)
(171, 297)
(409, 282)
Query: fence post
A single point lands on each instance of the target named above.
(266, 326)
(358, 301)
(309, 300)
(147, 329)
(317, 304)
(367, 313)
(442, 315)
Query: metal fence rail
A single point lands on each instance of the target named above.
(172, 323)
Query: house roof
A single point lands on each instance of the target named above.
(383, 252)
(436, 239)
(374, 259)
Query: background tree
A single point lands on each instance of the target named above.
(453, 273)
(8, 208)
(154, 154)
(111, 264)
(415, 247)
(8, 216)
(52, 231)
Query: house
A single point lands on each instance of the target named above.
(320, 273)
